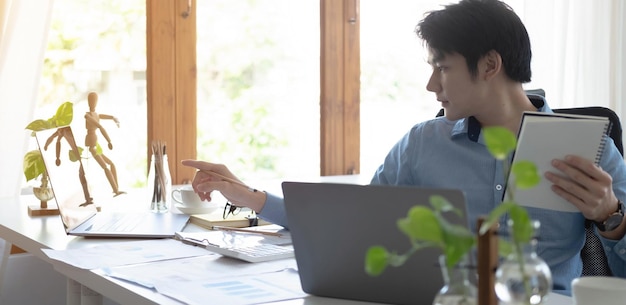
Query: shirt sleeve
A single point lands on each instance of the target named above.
(615, 250)
(397, 164)
(274, 210)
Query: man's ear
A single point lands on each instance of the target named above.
(490, 65)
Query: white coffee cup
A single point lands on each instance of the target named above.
(187, 197)
(592, 290)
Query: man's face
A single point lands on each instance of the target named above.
(453, 85)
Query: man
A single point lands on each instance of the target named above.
(480, 54)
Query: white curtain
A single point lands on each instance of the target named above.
(24, 28)
(618, 57)
(23, 33)
(579, 51)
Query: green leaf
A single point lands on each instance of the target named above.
(99, 150)
(421, 224)
(73, 156)
(504, 247)
(376, 260)
(64, 115)
(495, 214)
(499, 141)
(522, 225)
(458, 241)
(442, 205)
(396, 260)
(33, 165)
(522, 229)
(526, 175)
(39, 125)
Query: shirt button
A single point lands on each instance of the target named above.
(622, 251)
(498, 187)
(607, 249)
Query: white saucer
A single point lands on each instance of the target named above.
(197, 210)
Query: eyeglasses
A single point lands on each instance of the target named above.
(231, 209)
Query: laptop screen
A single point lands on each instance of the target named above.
(66, 174)
(332, 225)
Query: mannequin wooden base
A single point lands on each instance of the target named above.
(36, 210)
(51, 209)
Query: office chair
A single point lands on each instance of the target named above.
(592, 254)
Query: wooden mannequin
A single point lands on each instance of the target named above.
(92, 123)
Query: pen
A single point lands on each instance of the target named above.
(212, 173)
(221, 228)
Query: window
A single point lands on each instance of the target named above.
(394, 73)
(258, 86)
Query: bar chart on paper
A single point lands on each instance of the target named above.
(252, 289)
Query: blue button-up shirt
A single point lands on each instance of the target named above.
(452, 154)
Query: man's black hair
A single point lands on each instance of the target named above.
(472, 28)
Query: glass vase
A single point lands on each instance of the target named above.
(523, 277)
(159, 184)
(43, 192)
(457, 289)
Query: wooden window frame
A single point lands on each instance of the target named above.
(171, 82)
(340, 87)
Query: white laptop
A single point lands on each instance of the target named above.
(77, 200)
(333, 225)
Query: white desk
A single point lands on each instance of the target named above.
(46, 232)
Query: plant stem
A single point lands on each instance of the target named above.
(44, 180)
(520, 260)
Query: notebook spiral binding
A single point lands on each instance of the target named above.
(607, 131)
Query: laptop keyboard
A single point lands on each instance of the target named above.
(256, 253)
(121, 223)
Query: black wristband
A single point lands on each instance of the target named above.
(614, 220)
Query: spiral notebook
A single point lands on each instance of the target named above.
(546, 136)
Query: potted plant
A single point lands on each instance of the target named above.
(33, 164)
(427, 227)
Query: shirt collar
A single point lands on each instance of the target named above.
(472, 127)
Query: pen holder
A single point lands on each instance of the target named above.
(159, 181)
